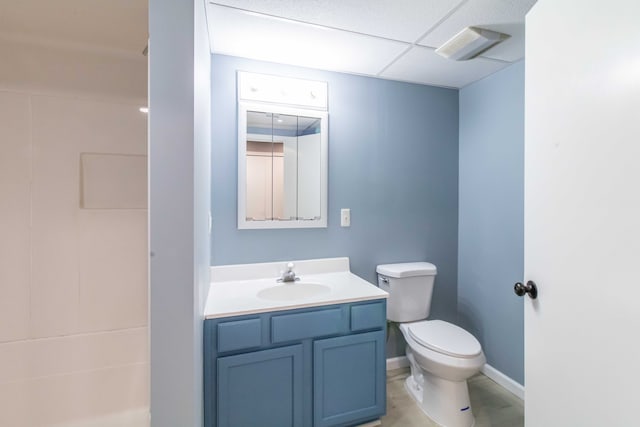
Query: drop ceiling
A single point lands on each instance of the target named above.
(389, 39)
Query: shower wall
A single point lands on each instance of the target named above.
(73, 246)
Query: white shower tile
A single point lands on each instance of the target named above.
(15, 211)
(15, 404)
(31, 359)
(14, 361)
(113, 181)
(68, 398)
(95, 127)
(90, 352)
(113, 269)
(54, 300)
(62, 129)
(61, 377)
(138, 417)
(88, 394)
(43, 68)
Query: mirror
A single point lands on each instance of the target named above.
(282, 167)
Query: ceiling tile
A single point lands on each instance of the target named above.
(251, 35)
(506, 16)
(404, 20)
(423, 65)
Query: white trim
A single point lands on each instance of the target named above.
(501, 379)
(285, 91)
(397, 363)
(498, 377)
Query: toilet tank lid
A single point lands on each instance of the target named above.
(407, 269)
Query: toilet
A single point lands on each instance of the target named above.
(442, 356)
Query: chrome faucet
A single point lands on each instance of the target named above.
(289, 275)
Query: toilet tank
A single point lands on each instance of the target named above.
(410, 286)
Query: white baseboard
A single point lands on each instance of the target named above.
(503, 380)
(397, 363)
(498, 377)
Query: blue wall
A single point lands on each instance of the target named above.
(491, 209)
(393, 160)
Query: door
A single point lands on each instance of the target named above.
(263, 388)
(349, 379)
(582, 213)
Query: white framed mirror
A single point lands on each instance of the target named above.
(282, 166)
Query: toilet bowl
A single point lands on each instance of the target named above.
(442, 356)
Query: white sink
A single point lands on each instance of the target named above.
(242, 289)
(293, 291)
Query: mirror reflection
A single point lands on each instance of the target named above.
(283, 167)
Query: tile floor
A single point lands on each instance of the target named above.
(493, 406)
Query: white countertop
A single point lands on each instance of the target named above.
(237, 297)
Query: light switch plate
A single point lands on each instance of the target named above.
(345, 217)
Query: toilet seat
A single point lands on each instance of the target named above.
(445, 338)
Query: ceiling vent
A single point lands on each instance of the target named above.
(470, 43)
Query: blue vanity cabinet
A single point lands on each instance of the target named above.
(348, 379)
(313, 367)
(261, 388)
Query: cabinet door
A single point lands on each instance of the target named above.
(263, 388)
(348, 379)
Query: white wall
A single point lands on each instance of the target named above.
(73, 281)
(179, 200)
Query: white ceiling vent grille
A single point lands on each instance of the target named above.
(470, 43)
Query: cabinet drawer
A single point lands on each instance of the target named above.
(238, 335)
(368, 316)
(290, 327)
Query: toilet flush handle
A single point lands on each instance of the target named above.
(530, 288)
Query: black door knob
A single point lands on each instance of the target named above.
(530, 288)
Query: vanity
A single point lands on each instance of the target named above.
(305, 353)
